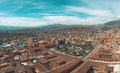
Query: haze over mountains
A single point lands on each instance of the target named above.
(115, 23)
(3, 27)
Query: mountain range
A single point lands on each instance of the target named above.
(115, 23)
(5, 27)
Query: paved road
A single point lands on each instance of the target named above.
(90, 54)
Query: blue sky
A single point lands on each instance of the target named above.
(44, 12)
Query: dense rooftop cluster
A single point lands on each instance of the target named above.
(65, 50)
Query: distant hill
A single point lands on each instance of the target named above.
(3, 27)
(47, 27)
(108, 25)
(113, 23)
(53, 26)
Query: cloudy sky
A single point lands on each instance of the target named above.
(45, 12)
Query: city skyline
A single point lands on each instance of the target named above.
(44, 12)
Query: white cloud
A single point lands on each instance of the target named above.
(47, 20)
(76, 20)
(89, 11)
(20, 21)
(109, 5)
(98, 12)
(64, 20)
